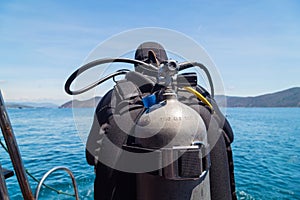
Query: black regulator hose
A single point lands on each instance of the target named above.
(186, 65)
(145, 66)
(94, 63)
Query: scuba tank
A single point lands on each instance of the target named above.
(166, 126)
(180, 134)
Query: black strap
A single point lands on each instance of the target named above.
(144, 83)
(126, 90)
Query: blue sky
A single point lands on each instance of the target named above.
(254, 44)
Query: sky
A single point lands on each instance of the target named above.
(255, 45)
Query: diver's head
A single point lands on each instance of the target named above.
(150, 52)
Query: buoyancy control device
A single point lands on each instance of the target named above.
(158, 135)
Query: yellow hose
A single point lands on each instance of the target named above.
(199, 96)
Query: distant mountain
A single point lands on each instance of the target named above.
(16, 105)
(30, 105)
(285, 98)
(90, 103)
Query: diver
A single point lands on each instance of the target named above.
(129, 96)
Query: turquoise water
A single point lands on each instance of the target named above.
(266, 151)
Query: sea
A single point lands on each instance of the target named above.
(266, 151)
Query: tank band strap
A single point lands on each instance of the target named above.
(180, 162)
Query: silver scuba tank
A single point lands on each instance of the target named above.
(178, 134)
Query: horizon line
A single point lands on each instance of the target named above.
(62, 101)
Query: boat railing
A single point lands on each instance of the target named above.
(16, 159)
